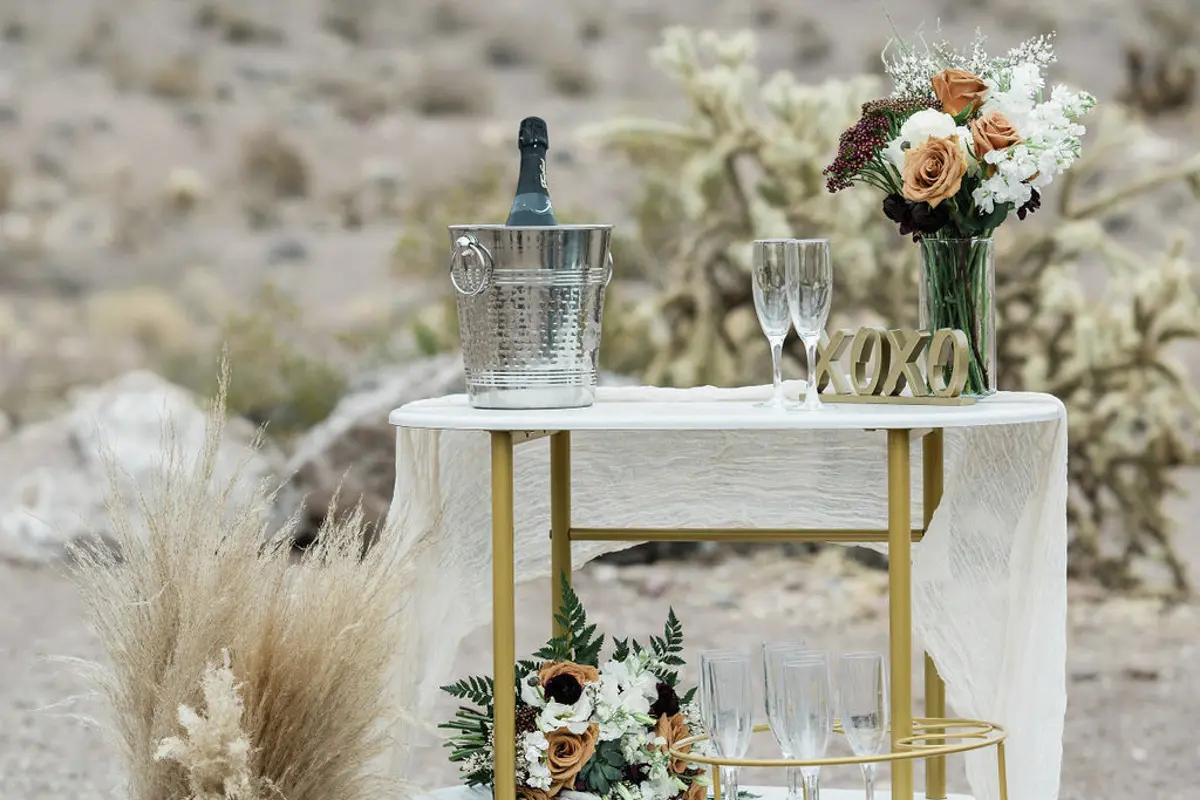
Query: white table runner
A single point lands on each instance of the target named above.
(989, 577)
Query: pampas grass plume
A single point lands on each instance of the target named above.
(237, 669)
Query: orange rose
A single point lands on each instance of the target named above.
(934, 171)
(696, 792)
(958, 90)
(568, 752)
(993, 132)
(673, 729)
(579, 672)
(529, 793)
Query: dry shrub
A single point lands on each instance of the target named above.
(510, 48)
(237, 669)
(1161, 69)
(451, 16)
(571, 76)
(233, 24)
(593, 27)
(282, 381)
(445, 91)
(349, 19)
(273, 165)
(812, 43)
(181, 78)
(358, 100)
(7, 179)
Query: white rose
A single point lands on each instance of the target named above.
(918, 129)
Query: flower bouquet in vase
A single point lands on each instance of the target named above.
(964, 142)
(588, 728)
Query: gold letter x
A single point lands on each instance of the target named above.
(907, 347)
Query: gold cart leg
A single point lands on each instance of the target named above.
(900, 602)
(560, 519)
(935, 689)
(1003, 767)
(716, 779)
(504, 616)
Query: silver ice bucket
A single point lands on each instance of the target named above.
(530, 301)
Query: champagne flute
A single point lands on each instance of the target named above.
(770, 287)
(727, 704)
(863, 707)
(774, 655)
(806, 713)
(810, 289)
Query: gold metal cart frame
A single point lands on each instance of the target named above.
(899, 536)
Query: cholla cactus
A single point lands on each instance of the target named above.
(732, 173)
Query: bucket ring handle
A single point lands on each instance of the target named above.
(465, 246)
(608, 268)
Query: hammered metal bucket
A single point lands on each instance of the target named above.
(530, 301)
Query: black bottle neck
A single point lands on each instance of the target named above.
(532, 178)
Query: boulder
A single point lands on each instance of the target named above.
(54, 474)
(355, 447)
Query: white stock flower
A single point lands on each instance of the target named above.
(531, 692)
(575, 717)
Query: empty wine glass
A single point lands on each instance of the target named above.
(774, 655)
(863, 707)
(807, 720)
(810, 290)
(770, 286)
(727, 705)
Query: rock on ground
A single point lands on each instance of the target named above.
(354, 449)
(54, 474)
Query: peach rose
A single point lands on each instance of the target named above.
(934, 171)
(579, 672)
(993, 132)
(568, 752)
(673, 729)
(958, 90)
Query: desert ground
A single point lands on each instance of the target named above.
(162, 161)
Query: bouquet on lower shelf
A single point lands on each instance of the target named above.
(588, 729)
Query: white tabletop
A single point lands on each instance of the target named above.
(708, 409)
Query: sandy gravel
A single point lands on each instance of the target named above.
(1132, 668)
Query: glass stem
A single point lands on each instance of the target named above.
(729, 784)
(812, 783)
(811, 398)
(868, 771)
(777, 368)
(795, 783)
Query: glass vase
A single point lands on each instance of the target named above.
(958, 288)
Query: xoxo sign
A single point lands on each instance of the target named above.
(883, 363)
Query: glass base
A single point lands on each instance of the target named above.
(781, 405)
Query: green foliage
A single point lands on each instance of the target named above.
(605, 768)
(746, 164)
(578, 642)
(275, 379)
(477, 690)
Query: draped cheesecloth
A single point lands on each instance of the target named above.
(989, 577)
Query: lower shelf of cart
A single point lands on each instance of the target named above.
(764, 792)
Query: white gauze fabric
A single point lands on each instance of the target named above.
(989, 578)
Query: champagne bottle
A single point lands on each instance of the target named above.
(531, 206)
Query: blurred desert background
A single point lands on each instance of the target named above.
(273, 179)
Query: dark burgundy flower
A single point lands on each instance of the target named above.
(1034, 203)
(927, 219)
(860, 144)
(667, 703)
(563, 688)
(896, 208)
